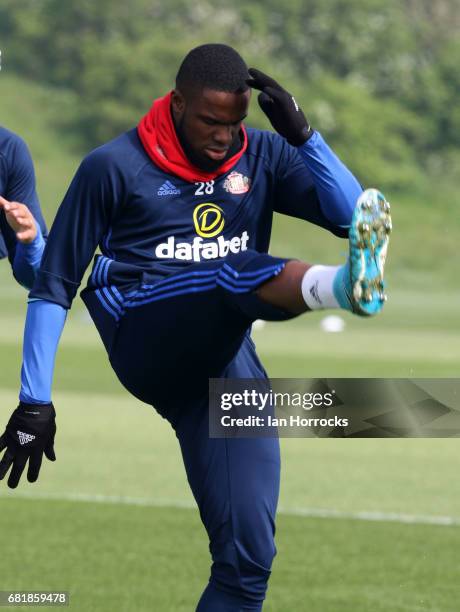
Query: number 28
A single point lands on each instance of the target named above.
(205, 188)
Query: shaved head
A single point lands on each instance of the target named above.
(212, 66)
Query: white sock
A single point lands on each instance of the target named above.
(317, 287)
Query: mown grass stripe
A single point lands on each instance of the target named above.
(326, 513)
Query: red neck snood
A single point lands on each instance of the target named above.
(158, 135)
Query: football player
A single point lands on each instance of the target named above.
(181, 207)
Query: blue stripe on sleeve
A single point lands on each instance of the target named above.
(44, 324)
(27, 259)
(335, 185)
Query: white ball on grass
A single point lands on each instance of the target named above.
(332, 323)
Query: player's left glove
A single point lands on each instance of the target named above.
(29, 433)
(284, 113)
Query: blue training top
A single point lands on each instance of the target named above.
(145, 220)
(17, 183)
(148, 224)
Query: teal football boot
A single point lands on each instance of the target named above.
(359, 285)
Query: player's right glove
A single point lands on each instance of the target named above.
(29, 433)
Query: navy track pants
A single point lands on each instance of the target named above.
(171, 338)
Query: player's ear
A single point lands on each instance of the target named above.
(177, 102)
(248, 94)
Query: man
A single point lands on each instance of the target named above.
(22, 227)
(181, 208)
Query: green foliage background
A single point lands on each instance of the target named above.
(379, 78)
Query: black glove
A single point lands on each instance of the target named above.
(29, 433)
(281, 108)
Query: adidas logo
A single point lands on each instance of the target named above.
(314, 293)
(168, 189)
(24, 438)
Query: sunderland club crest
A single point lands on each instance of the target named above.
(236, 183)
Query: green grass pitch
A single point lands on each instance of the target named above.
(113, 522)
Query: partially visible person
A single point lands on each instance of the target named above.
(22, 227)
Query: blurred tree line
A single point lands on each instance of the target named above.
(379, 78)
